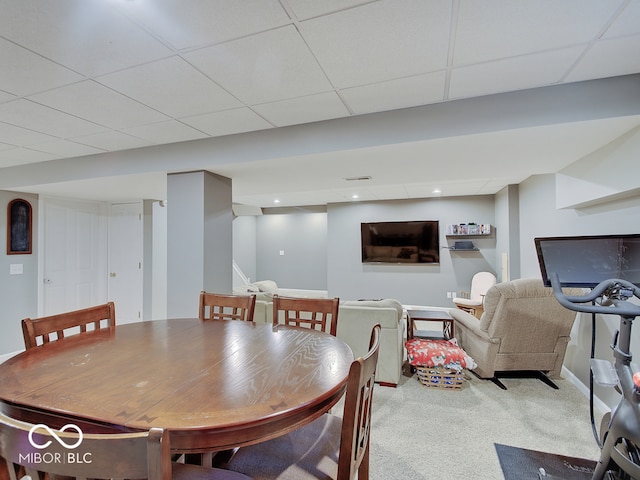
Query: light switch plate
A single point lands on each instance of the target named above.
(16, 269)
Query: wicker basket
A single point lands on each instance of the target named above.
(440, 377)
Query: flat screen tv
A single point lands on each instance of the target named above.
(588, 260)
(414, 242)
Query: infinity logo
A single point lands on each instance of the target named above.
(53, 434)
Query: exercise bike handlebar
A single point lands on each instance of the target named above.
(604, 288)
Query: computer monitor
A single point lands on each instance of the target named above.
(586, 261)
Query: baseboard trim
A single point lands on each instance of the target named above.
(598, 404)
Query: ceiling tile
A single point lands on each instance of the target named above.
(417, 190)
(483, 26)
(381, 40)
(146, 186)
(112, 141)
(165, 132)
(99, 104)
(161, 85)
(266, 63)
(18, 136)
(43, 119)
(627, 23)
(204, 22)
(361, 195)
(66, 148)
(89, 37)
(273, 65)
(228, 122)
(396, 94)
(19, 65)
(5, 96)
(22, 156)
(312, 108)
(515, 73)
(304, 9)
(389, 192)
(618, 56)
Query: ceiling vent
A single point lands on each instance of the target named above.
(358, 179)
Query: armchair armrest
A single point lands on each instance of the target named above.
(466, 321)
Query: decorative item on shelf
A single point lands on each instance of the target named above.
(470, 228)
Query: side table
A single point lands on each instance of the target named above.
(429, 316)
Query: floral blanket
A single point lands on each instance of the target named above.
(433, 353)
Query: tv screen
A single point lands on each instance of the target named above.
(588, 260)
(416, 242)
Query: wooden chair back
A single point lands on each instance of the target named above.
(216, 306)
(43, 328)
(36, 450)
(356, 421)
(315, 313)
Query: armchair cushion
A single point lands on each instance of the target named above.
(267, 286)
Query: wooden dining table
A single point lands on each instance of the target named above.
(214, 385)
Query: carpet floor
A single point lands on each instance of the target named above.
(421, 433)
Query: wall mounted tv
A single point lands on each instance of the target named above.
(415, 242)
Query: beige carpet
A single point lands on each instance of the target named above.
(420, 433)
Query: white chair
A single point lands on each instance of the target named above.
(480, 283)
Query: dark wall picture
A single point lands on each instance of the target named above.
(18, 227)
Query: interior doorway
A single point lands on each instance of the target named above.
(126, 261)
(73, 261)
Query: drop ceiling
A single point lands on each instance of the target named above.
(97, 80)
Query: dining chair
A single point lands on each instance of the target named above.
(36, 450)
(328, 448)
(217, 306)
(99, 316)
(314, 313)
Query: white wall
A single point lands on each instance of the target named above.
(18, 293)
(349, 278)
(302, 240)
(199, 239)
(244, 245)
(159, 263)
(539, 218)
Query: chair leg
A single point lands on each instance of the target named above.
(498, 382)
(541, 376)
(522, 374)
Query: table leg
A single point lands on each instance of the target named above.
(447, 329)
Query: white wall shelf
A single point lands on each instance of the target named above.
(469, 230)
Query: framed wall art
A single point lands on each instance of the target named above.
(19, 223)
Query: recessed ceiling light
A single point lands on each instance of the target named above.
(355, 195)
(276, 201)
(436, 190)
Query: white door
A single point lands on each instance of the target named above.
(73, 255)
(125, 261)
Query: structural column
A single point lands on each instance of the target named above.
(199, 239)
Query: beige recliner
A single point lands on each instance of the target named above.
(523, 329)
